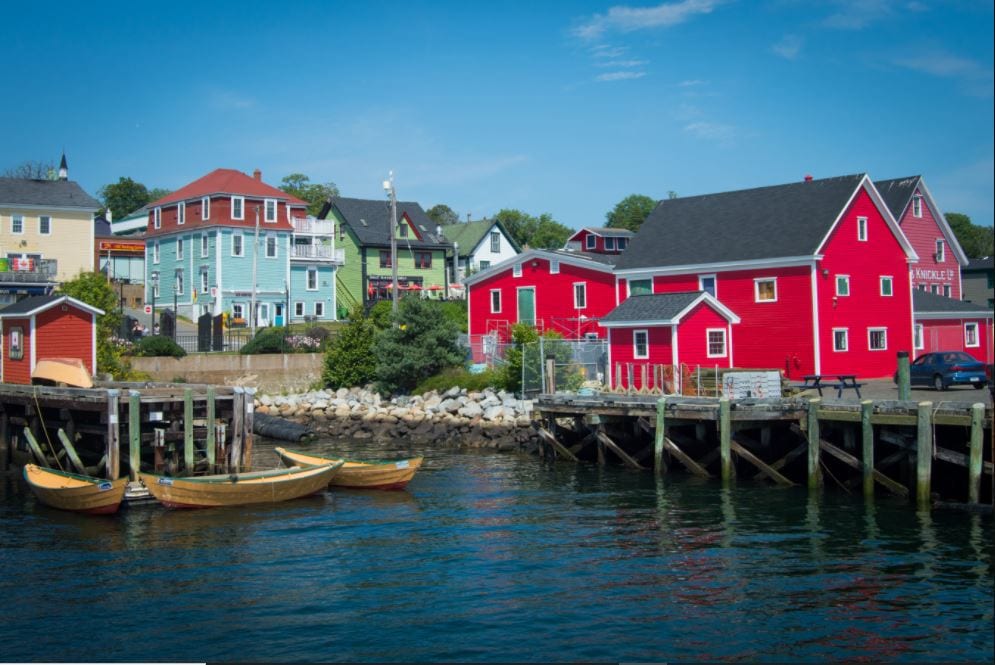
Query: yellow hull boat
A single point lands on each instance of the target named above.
(354, 474)
(70, 491)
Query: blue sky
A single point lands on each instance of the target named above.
(558, 107)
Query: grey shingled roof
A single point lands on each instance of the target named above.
(654, 307)
(751, 224)
(984, 264)
(53, 193)
(376, 215)
(29, 305)
(605, 231)
(607, 259)
(897, 193)
(924, 302)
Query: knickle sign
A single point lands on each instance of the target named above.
(938, 275)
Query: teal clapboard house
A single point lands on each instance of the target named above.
(207, 239)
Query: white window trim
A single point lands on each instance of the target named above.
(715, 281)
(499, 303)
(239, 235)
(628, 286)
(319, 304)
(238, 310)
(708, 343)
(591, 241)
(609, 243)
(241, 207)
(45, 233)
(299, 309)
(276, 247)
(846, 339)
(873, 330)
(554, 266)
(19, 218)
(756, 288)
(181, 213)
(155, 251)
(516, 270)
(495, 237)
(891, 285)
(575, 285)
(941, 251)
(266, 216)
(947, 290)
(862, 229)
(179, 249)
(635, 345)
(977, 338)
(846, 281)
(307, 278)
(205, 245)
(917, 337)
(204, 281)
(205, 207)
(157, 218)
(917, 206)
(178, 283)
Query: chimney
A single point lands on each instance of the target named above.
(258, 175)
(808, 178)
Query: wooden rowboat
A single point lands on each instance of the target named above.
(355, 474)
(69, 491)
(61, 372)
(239, 489)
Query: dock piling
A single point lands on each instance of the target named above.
(134, 433)
(725, 439)
(188, 445)
(113, 435)
(814, 472)
(867, 446)
(659, 435)
(924, 454)
(977, 434)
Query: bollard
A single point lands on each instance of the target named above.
(904, 385)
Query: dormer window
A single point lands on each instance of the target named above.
(181, 213)
(917, 206)
(609, 244)
(205, 207)
(591, 242)
(157, 218)
(402, 230)
(238, 207)
(270, 211)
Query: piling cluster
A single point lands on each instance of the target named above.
(456, 417)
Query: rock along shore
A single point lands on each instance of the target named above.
(486, 419)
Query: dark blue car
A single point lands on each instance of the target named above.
(942, 369)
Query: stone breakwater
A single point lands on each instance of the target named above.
(458, 418)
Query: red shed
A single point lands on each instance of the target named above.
(945, 324)
(41, 327)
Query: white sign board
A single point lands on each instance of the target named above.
(755, 385)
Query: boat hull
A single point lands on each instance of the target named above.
(72, 492)
(238, 490)
(354, 474)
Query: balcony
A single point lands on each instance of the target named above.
(312, 226)
(28, 271)
(317, 253)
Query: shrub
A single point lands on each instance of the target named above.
(268, 340)
(158, 345)
(349, 360)
(421, 343)
(459, 376)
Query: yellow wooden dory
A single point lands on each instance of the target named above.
(69, 491)
(239, 489)
(355, 474)
(61, 372)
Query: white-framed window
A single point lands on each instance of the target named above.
(270, 246)
(917, 337)
(917, 206)
(923, 287)
(609, 244)
(155, 252)
(237, 244)
(205, 207)
(495, 301)
(554, 267)
(887, 286)
(312, 278)
(622, 242)
(580, 295)
(877, 339)
(947, 290)
(155, 284)
(841, 339)
(270, 208)
(862, 229)
(639, 287)
(516, 270)
(706, 283)
(237, 310)
(971, 335)
(765, 289)
(299, 308)
(157, 218)
(17, 224)
(941, 253)
(203, 281)
(181, 212)
(205, 246)
(319, 308)
(716, 340)
(238, 207)
(179, 249)
(591, 242)
(640, 344)
(934, 288)
(495, 242)
(484, 265)
(179, 282)
(44, 225)
(842, 285)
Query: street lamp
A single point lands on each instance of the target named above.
(155, 287)
(255, 260)
(388, 187)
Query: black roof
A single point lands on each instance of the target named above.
(607, 259)
(370, 221)
(651, 307)
(897, 193)
(29, 304)
(54, 193)
(924, 302)
(763, 223)
(983, 264)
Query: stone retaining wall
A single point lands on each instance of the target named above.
(269, 372)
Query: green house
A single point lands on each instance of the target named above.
(363, 232)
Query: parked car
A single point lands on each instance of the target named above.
(943, 369)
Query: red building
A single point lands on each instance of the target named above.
(817, 272)
(945, 324)
(550, 289)
(43, 327)
(600, 240)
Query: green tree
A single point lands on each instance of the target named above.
(442, 214)
(541, 232)
(349, 360)
(422, 342)
(976, 241)
(630, 212)
(32, 171)
(157, 193)
(94, 289)
(299, 185)
(124, 197)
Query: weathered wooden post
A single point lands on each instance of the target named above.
(209, 442)
(188, 464)
(659, 434)
(134, 434)
(924, 454)
(977, 434)
(867, 446)
(594, 421)
(247, 423)
(113, 435)
(237, 411)
(725, 439)
(904, 384)
(814, 472)
(551, 376)
(4, 439)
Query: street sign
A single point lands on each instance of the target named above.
(148, 309)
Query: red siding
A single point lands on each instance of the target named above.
(923, 232)
(17, 371)
(599, 242)
(65, 335)
(692, 337)
(622, 355)
(221, 215)
(554, 299)
(865, 262)
(948, 335)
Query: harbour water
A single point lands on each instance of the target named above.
(491, 557)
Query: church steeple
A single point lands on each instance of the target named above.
(63, 168)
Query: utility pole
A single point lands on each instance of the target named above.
(255, 260)
(388, 186)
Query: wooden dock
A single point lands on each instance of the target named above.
(122, 428)
(913, 450)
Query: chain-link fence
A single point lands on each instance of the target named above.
(551, 365)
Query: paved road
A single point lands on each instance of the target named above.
(886, 389)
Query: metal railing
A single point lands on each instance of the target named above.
(317, 252)
(231, 340)
(314, 226)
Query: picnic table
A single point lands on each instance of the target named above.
(842, 382)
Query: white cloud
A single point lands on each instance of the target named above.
(227, 100)
(858, 14)
(693, 83)
(976, 78)
(628, 19)
(789, 47)
(712, 131)
(622, 63)
(620, 76)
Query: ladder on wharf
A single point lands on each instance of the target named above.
(787, 441)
